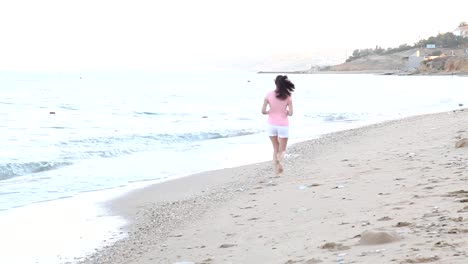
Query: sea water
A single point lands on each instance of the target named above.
(71, 141)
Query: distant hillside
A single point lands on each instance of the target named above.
(446, 60)
(448, 53)
(375, 62)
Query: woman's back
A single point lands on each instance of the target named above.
(278, 113)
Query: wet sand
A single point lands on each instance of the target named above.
(395, 192)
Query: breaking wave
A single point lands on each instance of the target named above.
(10, 170)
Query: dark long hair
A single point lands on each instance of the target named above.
(284, 87)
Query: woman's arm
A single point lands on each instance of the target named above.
(264, 107)
(290, 108)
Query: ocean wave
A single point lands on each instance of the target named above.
(67, 107)
(160, 114)
(106, 153)
(339, 117)
(120, 145)
(148, 113)
(200, 136)
(10, 170)
(109, 147)
(160, 138)
(57, 127)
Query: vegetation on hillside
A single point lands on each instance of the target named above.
(446, 40)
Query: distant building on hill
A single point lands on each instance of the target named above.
(461, 31)
(414, 60)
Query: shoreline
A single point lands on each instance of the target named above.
(166, 219)
(378, 72)
(328, 72)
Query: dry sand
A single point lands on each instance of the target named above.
(394, 192)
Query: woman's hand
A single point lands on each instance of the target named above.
(290, 108)
(264, 107)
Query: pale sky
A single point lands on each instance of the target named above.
(71, 35)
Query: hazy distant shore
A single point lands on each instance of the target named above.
(387, 193)
(378, 72)
(328, 72)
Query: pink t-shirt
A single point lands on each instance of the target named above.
(278, 114)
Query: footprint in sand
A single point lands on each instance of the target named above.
(377, 238)
(385, 218)
(310, 261)
(461, 143)
(457, 231)
(458, 194)
(463, 210)
(422, 260)
(456, 219)
(442, 244)
(332, 246)
(313, 261)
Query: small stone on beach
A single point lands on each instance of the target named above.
(227, 245)
(402, 224)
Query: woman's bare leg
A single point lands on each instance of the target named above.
(275, 143)
(282, 144)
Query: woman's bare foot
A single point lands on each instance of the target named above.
(275, 166)
(278, 166)
(280, 169)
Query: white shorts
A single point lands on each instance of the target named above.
(280, 131)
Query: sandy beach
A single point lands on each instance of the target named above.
(394, 192)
